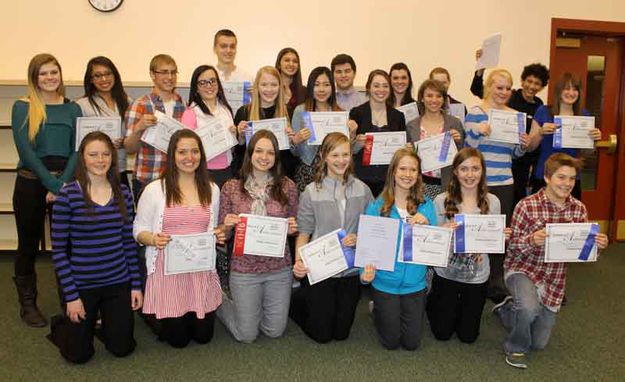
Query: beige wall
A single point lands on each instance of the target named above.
(376, 33)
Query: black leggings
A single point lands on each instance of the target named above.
(179, 331)
(29, 204)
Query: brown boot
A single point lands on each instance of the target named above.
(27, 294)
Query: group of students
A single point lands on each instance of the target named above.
(98, 235)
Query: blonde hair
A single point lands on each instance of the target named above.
(491, 79)
(281, 111)
(37, 108)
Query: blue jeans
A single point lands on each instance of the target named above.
(527, 321)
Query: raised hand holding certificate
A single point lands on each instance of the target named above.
(324, 257)
(190, 253)
(260, 236)
(410, 110)
(111, 126)
(237, 93)
(380, 147)
(436, 152)
(321, 124)
(573, 132)
(480, 234)
(216, 137)
(506, 126)
(426, 244)
(276, 125)
(571, 242)
(377, 242)
(158, 136)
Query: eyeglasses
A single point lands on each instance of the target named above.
(210, 82)
(166, 73)
(101, 76)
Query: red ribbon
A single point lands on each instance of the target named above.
(366, 156)
(239, 237)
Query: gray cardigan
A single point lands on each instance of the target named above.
(413, 131)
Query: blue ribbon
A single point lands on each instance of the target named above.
(348, 252)
(442, 157)
(407, 238)
(307, 120)
(521, 123)
(459, 236)
(247, 97)
(589, 243)
(249, 132)
(557, 135)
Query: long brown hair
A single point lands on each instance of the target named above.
(567, 79)
(276, 192)
(387, 78)
(112, 175)
(330, 142)
(173, 194)
(454, 190)
(415, 196)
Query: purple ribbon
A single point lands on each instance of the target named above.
(442, 157)
(557, 135)
(247, 97)
(348, 252)
(306, 118)
(459, 236)
(521, 124)
(589, 243)
(407, 238)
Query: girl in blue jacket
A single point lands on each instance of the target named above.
(399, 296)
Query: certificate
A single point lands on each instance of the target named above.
(158, 136)
(571, 242)
(190, 253)
(377, 242)
(380, 147)
(237, 93)
(491, 47)
(426, 244)
(506, 126)
(323, 257)
(321, 124)
(216, 137)
(111, 126)
(276, 125)
(480, 234)
(573, 132)
(260, 236)
(410, 110)
(436, 152)
(457, 110)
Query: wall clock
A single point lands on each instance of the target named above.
(106, 5)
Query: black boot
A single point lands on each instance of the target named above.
(27, 293)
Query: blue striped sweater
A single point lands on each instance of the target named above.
(92, 248)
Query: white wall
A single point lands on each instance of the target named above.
(376, 33)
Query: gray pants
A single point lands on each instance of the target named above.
(260, 301)
(399, 319)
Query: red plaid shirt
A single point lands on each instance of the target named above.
(530, 215)
(150, 162)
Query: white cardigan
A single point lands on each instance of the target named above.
(150, 213)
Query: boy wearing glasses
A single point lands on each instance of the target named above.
(150, 162)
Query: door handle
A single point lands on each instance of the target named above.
(609, 144)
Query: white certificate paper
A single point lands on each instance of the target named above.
(491, 48)
(190, 253)
(506, 126)
(432, 150)
(565, 241)
(260, 236)
(574, 132)
(410, 110)
(237, 94)
(321, 124)
(430, 245)
(480, 234)
(111, 126)
(216, 137)
(276, 125)
(323, 257)
(457, 110)
(377, 242)
(158, 136)
(380, 147)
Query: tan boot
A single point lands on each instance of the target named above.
(27, 294)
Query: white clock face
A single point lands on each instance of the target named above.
(106, 5)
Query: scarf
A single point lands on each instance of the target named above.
(258, 191)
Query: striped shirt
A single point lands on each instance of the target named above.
(498, 155)
(91, 247)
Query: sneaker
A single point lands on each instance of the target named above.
(518, 360)
(506, 300)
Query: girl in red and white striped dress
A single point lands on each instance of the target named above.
(183, 201)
